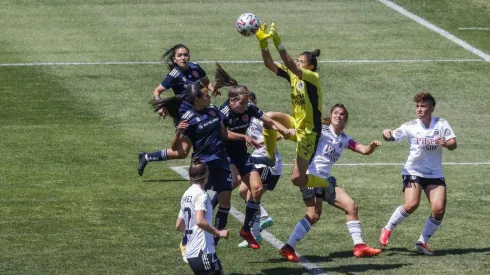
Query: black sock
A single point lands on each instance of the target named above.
(250, 212)
(220, 220)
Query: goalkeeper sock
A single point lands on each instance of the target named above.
(270, 140)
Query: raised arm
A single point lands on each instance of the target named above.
(262, 36)
(288, 61)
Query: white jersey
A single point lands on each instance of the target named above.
(198, 240)
(255, 132)
(329, 150)
(425, 156)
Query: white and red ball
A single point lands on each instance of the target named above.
(247, 24)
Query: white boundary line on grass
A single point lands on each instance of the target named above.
(434, 28)
(474, 29)
(376, 164)
(311, 267)
(360, 61)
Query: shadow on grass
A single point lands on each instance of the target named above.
(167, 180)
(439, 252)
(346, 269)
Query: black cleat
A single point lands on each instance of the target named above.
(142, 162)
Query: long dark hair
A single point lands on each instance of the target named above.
(197, 171)
(311, 56)
(172, 104)
(223, 79)
(168, 56)
(327, 120)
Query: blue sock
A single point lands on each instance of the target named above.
(157, 156)
(220, 220)
(250, 212)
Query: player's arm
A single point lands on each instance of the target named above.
(262, 35)
(180, 225)
(179, 140)
(288, 61)
(366, 149)
(269, 123)
(204, 225)
(236, 136)
(158, 91)
(450, 144)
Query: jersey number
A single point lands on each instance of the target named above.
(187, 215)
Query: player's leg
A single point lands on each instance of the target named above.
(254, 183)
(161, 155)
(270, 135)
(337, 197)
(313, 198)
(205, 264)
(220, 181)
(305, 149)
(412, 191)
(235, 176)
(436, 194)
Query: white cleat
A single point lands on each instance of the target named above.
(423, 249)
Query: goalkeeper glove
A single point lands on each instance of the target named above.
(276, 38)
(262, 36)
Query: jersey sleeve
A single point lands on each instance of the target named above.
(448, 132)
(201, 201)
(189, 131)
(181, 214)
(255, 111)
(283, 71)
(311, 77)
(168, 81)
(351, 144)
(200, 71)
(401, 133)
(255, 129)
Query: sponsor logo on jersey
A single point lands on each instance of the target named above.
(195, 73)
(298, 99)
(212, 113)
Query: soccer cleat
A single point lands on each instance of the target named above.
(362, 250)
(142, 162)
(247, 236)
(182, 251)
(266, 222)
(384, 236)
(288, 252)
(245, 243)
(423, 249)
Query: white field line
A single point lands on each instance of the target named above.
(379, 164)
(367, 61)
(436, 29)
(474, 29)
(311, 267)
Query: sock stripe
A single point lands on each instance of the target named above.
(224, 210)
(434, 221)
(305, 224)
(402, 211)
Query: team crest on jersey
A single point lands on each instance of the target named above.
(447, 132)
(245, 117)
(300, 85)
(183, 79)
(195, 74)
(436, 132)
(340, 144)
(230, 121)
(211, 113)
(198, 119)
(398, 133)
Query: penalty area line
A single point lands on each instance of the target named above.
(309, 266)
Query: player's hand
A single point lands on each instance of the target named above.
(224, 233)
(252, 142)
(182, 125)
(441, 142)
(375, 144)
(289, 133)
(162, 112)
(262, 35)
(387, 134)
(275, 38)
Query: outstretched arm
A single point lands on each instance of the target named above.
(262, 35)
(288, 61)
(367, 149)
(269, 122)
(388, 135)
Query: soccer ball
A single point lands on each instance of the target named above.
(247, 24)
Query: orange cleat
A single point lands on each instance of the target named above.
(362, 250)
(384, 236)
(288, 252)
(252, 243)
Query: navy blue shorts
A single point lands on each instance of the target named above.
(269, 180)
(219, 177)
(243, 165)
(407, 180)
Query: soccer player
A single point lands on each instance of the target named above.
(306, 99)
(194, 221)
(269, 175)
(202, 129)
(332, 143)
(182, 73)
(237, 113)
(427, 136)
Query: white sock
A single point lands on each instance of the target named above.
(255, 229)
(263, 213)
(431, 225)
(355, 231)
(300, 229)
(398, 217)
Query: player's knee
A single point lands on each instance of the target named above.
(351, 209)
(411, 206)
(313, 217)
(438, 212)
